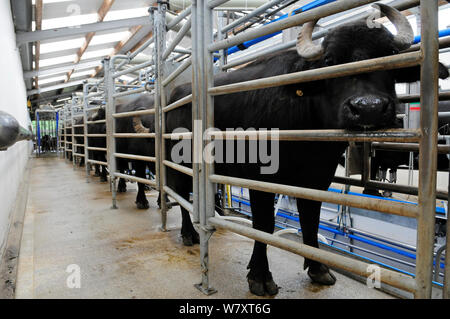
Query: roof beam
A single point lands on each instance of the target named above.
(102, 11)
(63, 67)
(55, 87)
(51, 34)
(92, 47)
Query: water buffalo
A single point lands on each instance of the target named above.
(78, 130)
(136, 146)
(98, 128)
(358, 102)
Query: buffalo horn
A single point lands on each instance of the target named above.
(405, 34)
(305, 47)
(138, 126)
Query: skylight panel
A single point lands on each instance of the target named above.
(126, 14)
(96, 53)
(82, 73)
(109, 37)
(52, 79)
(61, 45)
(58, 60)
(71, 20)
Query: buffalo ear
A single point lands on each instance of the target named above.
(412, 74)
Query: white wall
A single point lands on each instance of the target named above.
(13, 100)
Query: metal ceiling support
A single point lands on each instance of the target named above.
(22, 12)
(55, 87)
(59, 68)
(51, 34)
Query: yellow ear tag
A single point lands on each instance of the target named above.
(299, 92)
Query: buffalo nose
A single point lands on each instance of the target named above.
(368, 108)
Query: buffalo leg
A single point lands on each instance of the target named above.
(259, 277)
(309, 212)
(141, 198)
(97, 170)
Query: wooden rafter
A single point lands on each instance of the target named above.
(102, 11)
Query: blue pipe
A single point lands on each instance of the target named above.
(38, 132)
(442, 33)
(309, 6)
(337, 232)
(245, 45)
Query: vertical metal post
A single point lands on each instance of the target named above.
(206, 112)
(72, 109)
(195, 113)
(85, 129)
(38, 133)
(159, 28)
(446, 288)
(110, 127)
(428, 148)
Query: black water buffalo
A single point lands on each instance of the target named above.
(358, 102)
(136, 146)
(78, 130)
(98, 128)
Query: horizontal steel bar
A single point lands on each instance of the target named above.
(134, 135)
(97, 162)
(96, 135)
(132, 69)
(292, 21)
(78, 135)
(410, 147)
(134, 113)
(135, 157)
(185, 100)
(129, 92)
(135, 179)
(78, 125)
(184, 203)
(216, 3)
(392, 135)
(78, 154)
(366, 66)
(178, 167)
(92, 148)
(407, 210)
(95, 108)
(96, 122)
(183, 66)
(399, 188)
(390, 277)
(408, 98)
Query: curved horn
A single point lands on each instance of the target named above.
(305, 47)
(405, 34)
(138, 126)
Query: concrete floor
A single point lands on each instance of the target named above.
(121, 253)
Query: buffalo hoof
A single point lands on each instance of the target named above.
(191, 239)
(142, 205)
(103, 179)
(121, 189)
(322, 276)
(97, 174)
(260, 288)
